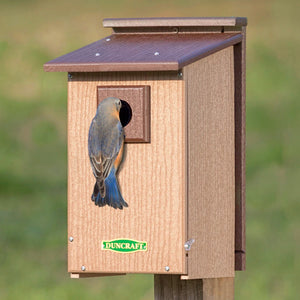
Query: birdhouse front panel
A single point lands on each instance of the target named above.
(151, 230)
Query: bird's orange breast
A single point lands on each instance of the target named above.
(119, 157)
(115, 114)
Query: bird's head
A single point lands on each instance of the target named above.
(118, 104)
(110, 106)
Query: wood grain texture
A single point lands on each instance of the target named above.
(218, 289)
(240, 152)
(151, 180)
(138, 97)
(171, 287)
(136, 52)
(210, 165)
(156, 22)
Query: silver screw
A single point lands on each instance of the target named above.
(71, 239)
(70, 76)
(167, 268)
(188, 244)
(156, 53)
(82, 268)
(97, 54)
(180, 74)
(108, 39)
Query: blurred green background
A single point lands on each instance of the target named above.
(33, 157)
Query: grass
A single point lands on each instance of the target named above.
(33, 145)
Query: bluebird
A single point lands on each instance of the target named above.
(105, 146)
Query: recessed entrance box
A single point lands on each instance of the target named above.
(183, 173)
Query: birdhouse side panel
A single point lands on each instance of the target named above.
(210, 159)
(151, 180)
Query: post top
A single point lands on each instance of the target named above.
(169, 22)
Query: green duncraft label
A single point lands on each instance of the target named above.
(124, 245)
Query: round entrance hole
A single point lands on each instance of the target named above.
(125, 113)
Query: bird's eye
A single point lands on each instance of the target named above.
(118, 104)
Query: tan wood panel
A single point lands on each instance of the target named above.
(151, 180)
(210, 165)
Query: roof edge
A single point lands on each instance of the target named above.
(170, 22)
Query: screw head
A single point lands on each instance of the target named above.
(180, 74)
(156, 53)
(188, 244)
(71, 239)
(108, 39)
(83, 268)
(70, 76)
(97, 54)
(167, 268)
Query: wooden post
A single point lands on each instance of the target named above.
(167, 287)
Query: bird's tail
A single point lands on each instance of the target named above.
(112, 196)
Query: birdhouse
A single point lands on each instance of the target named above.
(182, 86)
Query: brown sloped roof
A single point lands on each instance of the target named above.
(152, 44)
(143, 52)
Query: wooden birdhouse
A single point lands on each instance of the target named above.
(183, 168)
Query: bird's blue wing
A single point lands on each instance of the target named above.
(104, 146)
